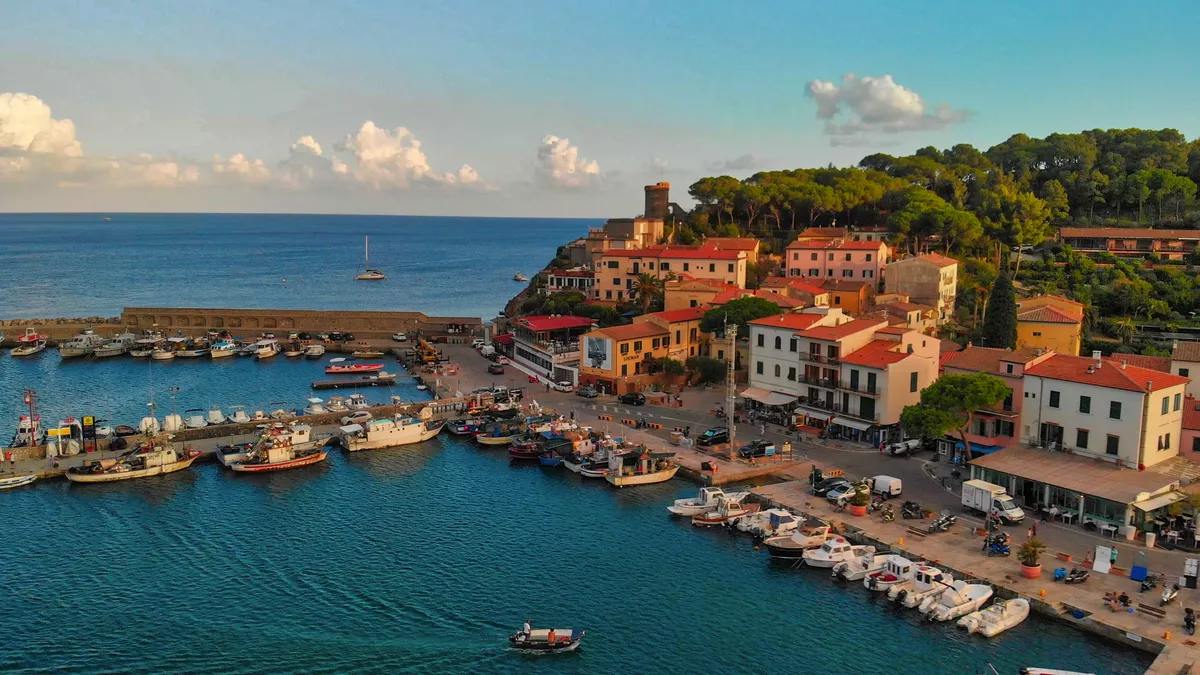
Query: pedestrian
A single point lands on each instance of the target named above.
(572, 415)
(1029, 533)
(1112, 556)
(1033, 529)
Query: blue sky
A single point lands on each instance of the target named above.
(674, 89)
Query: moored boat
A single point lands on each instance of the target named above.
(858, 567)
(280, 448)
(768, 523)
(162, 353)
(30, 432)
(706, 501)
(314, 351)
(142, 461)
(228, 455)
(525, 449)
(928, 581)
(367, 354)
(726, 509)
(834, 551)
(996, 619)
(267, 348)
(116, 346)
(222, 349)
(466, 426)
(388, 432)
(28, 348)
(896, 572)
(9, 482)
(315, 407)
(640, 468)
(810, 534)
(962, 597)
(368, 273)
(30, 336)
(83, 344)
(352, 368)
(549, 458)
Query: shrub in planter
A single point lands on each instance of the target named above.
(859, 502)
(1030, 555)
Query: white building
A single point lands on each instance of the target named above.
(1185, 362)
(774, 362)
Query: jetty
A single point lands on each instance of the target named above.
(386, 380)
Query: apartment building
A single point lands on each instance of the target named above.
(623, 359)
(549, 344)
(929, 279)
(686, 291)
(1131, 241)
(1050, 322)
(835, 259)
(579, 279)
(617, 270)
(993, 428)
(1185, 362)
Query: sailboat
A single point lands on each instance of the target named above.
(369, 274)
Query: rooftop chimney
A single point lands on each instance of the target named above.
(1091, 369)
(1123, 364)
(1096, 355)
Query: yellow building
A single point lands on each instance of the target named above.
(685, 292)
(617, 270)
(623, 359)
(1050, 322)
(687, 340)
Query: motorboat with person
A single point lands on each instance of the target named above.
(928, 581)
(546, 639)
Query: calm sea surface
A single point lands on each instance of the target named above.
(418, 559)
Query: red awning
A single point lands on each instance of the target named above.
(503, 338)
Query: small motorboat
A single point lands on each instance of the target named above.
(897, 572)
(961, 598)
(337, 404)
(315, 407)
(706, 501)
(314, 351)
(858, 567)
(28, 348)
(293, 352)
(520, 277)
(195, 420)
(216, 415)
(162, 354)
(834, 551)
(30, 432)
(726, 509)
(811, 533)
(546, 640)
(593, 469)
(927, 582)
(31, 336)
(996, 619)
(549, 459)
(239, 415)
(9, 482)
(353, 368)
(769, 523)
(357, 402)
(223, 349)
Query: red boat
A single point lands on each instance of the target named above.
(355, 368)
(32, 335)
(525, 450)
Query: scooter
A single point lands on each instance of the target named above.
(999, 547)
(1077, 576)
(888, 514)
(1189, 621)
(1151, 581)
(1169, 594)
(943, 523)
(912, 510)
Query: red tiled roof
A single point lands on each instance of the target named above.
(632, 253)
(1191, 413)
(1186, 351)
(876, 354)
(736, 293)
(837, 245)
(839, 332)
(939, 260)
(906, 307)
(798, 284)
(702, 254)
(1047, 314)
(790, 320)
(732, 243)
(843, 285)
(543, 322)
(1160, 363)
(827, 232)
(1110, 374)
(894, 330)
(987, 359)
(1127, 233)
(633, 331)
(685, 314)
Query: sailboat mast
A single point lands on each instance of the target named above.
(366, 252)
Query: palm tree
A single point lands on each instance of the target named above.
(1124, 328)
(647, 288)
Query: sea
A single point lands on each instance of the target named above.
(420, 559)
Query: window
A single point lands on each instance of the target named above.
(1036, 334)
(637, 346)
(616, 281)
(730, 267)
(830, 257)
(762, 341)
(1183, 372)
(912, 381)
(1178, 399)
(664, 266)
(1164, 442)
(650, 265)
(678, 336)
(1081, 438)
(666, 342)
(1007, 406)
(1114, 410)
(777, 369)
(758, 367)
(693, 303)
(1053, 399)
(1196, 444)
(792, 374)
(871, 382)
(624, 347)
(618, 295)
(654, 343)
(712, 267)
(867, 274)
(829, 273)
(1166, 405)
(1113, 446)
(613, 264)
(847, 257)
(1085, 405)
(847, 273)
(692, 335)
(837, 299)
(686, 266)
(792, 344)
(778, 343)
(608, 295)
(635, 268)
(1008, 368)
(814, 256)
(1005, 428)
(812, 272)
(868, 257)
(624, 369)
(720, 354)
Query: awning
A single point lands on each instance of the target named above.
(853, 424)
(1159, 501)
(503, 339)
(979, 448)
(768, 397)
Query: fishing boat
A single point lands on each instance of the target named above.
(282, 447)
(834, 551)
(222, 349)
(9, 482)
(248, 349)
(640, 468)
(265, 349)
(294, 351)
(83, 344)
(520, 277)
(525, 449)
(352, 368)
(594, 468)
(810, 534)
(928, 581)
(116, 346)
(550, 458)
(368, 274)
(367, 354)
(314, 351)
(228, 455)
(163, 353)
(546, 640)
(467, 426)
(498, 433)
(357, 402)
(388, 433)
(706, 501)
(29, 432)
(28, 348)
(768, 523)
(961, 598)
(315, 407)
(1031, 670)
(996, 619)
(194, 349)
(896, 572)
(726, 508)
(143, 461)
(30, 336)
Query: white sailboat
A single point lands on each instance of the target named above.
(369, 274)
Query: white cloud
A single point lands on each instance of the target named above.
(560, 163)
(240, 167)
(147, 171)
(26, 124)
(877, 105)
(306, 163)
(387, 158)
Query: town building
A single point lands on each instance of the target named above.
(920, 318)
(992, 428)
(825, 233)
(928, 279)
(623, 359)
(1185, 362)
(776, 372)
(835, 259)
(687, 340)
(810, 292)
(870, 233)
(1191, 426)
(1131, 241)
(853, 297)
(617, 270)
(687, 291)
(658, 201)
(783, 301)
(578, 279)
(549, 344)
(750, 245)
(1050, 322)
(1103, 409)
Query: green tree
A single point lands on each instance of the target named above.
(1055, 196)
(738, 312)
(670, 367)
(708, 369)
(950, 403)
(1000, 324)
(647, 288)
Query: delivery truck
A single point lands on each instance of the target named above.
(984, 497)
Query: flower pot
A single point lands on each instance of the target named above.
(858, 510)
(1031, 572)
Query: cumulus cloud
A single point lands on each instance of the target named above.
(26, 124)
(394, 158)
(740, 163)
(145, 170)
(863, 105)
(238, 166)
(560, 163)
(306, 162)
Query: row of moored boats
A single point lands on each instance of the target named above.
(154, 345)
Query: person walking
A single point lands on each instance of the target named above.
(1112, 556)
(1033, 529)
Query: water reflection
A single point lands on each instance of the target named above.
(154, 491)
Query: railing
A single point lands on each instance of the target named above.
(837, 408)
(859, 388)
(815, 358)
(828, 383)
(873, 417)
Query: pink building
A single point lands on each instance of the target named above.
(996, 428)
(1191, 425)
(836, 259)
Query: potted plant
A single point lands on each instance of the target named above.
(859, 502)
(1030, 555)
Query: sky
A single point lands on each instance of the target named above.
(542, 108)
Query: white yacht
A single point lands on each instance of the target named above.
(388, 433)
(810, 534)
(928, 581)
(834, 551)
(265, 349)
(769, 523)
(858, 567)
(83, 344)
(368, 274)
(357, 402)
(314, 351)
(896, 572)
(239, 415)
(336, 404)
(706, 501)
(222, 349)
(960, 599)
(116, 346)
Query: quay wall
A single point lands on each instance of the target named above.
(362, 324)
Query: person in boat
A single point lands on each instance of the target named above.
(526, 631)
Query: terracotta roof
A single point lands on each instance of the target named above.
(1047, 314)
(797, 283)
(894, 330)
(1186, 351)
(906, 307)
(685, 314)
(830, 284)
(938, 259)
(633, 331)
(790, 320)
(545, 322)
(876, 354)
(736, 293)
(828, 232)
(1110, 374)
(1160, 363)
(631, 253)
(1191, 413)
(732, 243)
(988, 359)
(1127, 233)
(839, 332)
(1076, 474)
(837, 244)
(702, 254)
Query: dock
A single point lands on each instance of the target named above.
(372, 381)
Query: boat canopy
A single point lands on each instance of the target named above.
(351, 429)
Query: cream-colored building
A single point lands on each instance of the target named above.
(775, 363)
(1103, 409)
(1185, 362)
(617, 270)
(929, 279)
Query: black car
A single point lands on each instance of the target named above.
(634, 398)
(496, 369)
(348, 337)
(713, 436)
(337, 336)
(823, 488)
(305, 336)
(759, 448)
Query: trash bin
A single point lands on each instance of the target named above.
(676, 437)
(1151, 537)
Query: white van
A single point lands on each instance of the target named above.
(887, 486)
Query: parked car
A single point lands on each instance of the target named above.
(907, 447)
(348, 337)
(563, 386)
(823, 487)
(323, 336)
(357, 417)
(399, 337)
(293, 335)
(758, 448)
(587, 391)
(837, 494)
(337, 336)
(477, 343)
(305, 336)
(887, 486)
(633, 398)
(502, 360)
(713, 436)
(496, 369)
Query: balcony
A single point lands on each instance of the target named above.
(859, 388)
(828, 383)
(836, 408)
(872, 417)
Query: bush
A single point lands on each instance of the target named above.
(1031, 552)
(860, 498)
(709, 369)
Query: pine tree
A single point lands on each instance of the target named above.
(1000, 326)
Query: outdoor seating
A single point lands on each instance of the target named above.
(1067, 516)
(1108, 530)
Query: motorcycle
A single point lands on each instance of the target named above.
(1169, 594)
(943, 523)
(1077, 576)
(888, 514)
(999, 547)
(1189, 621)
(912, 510)
(1151, 581)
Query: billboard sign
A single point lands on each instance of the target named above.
(598, 352)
